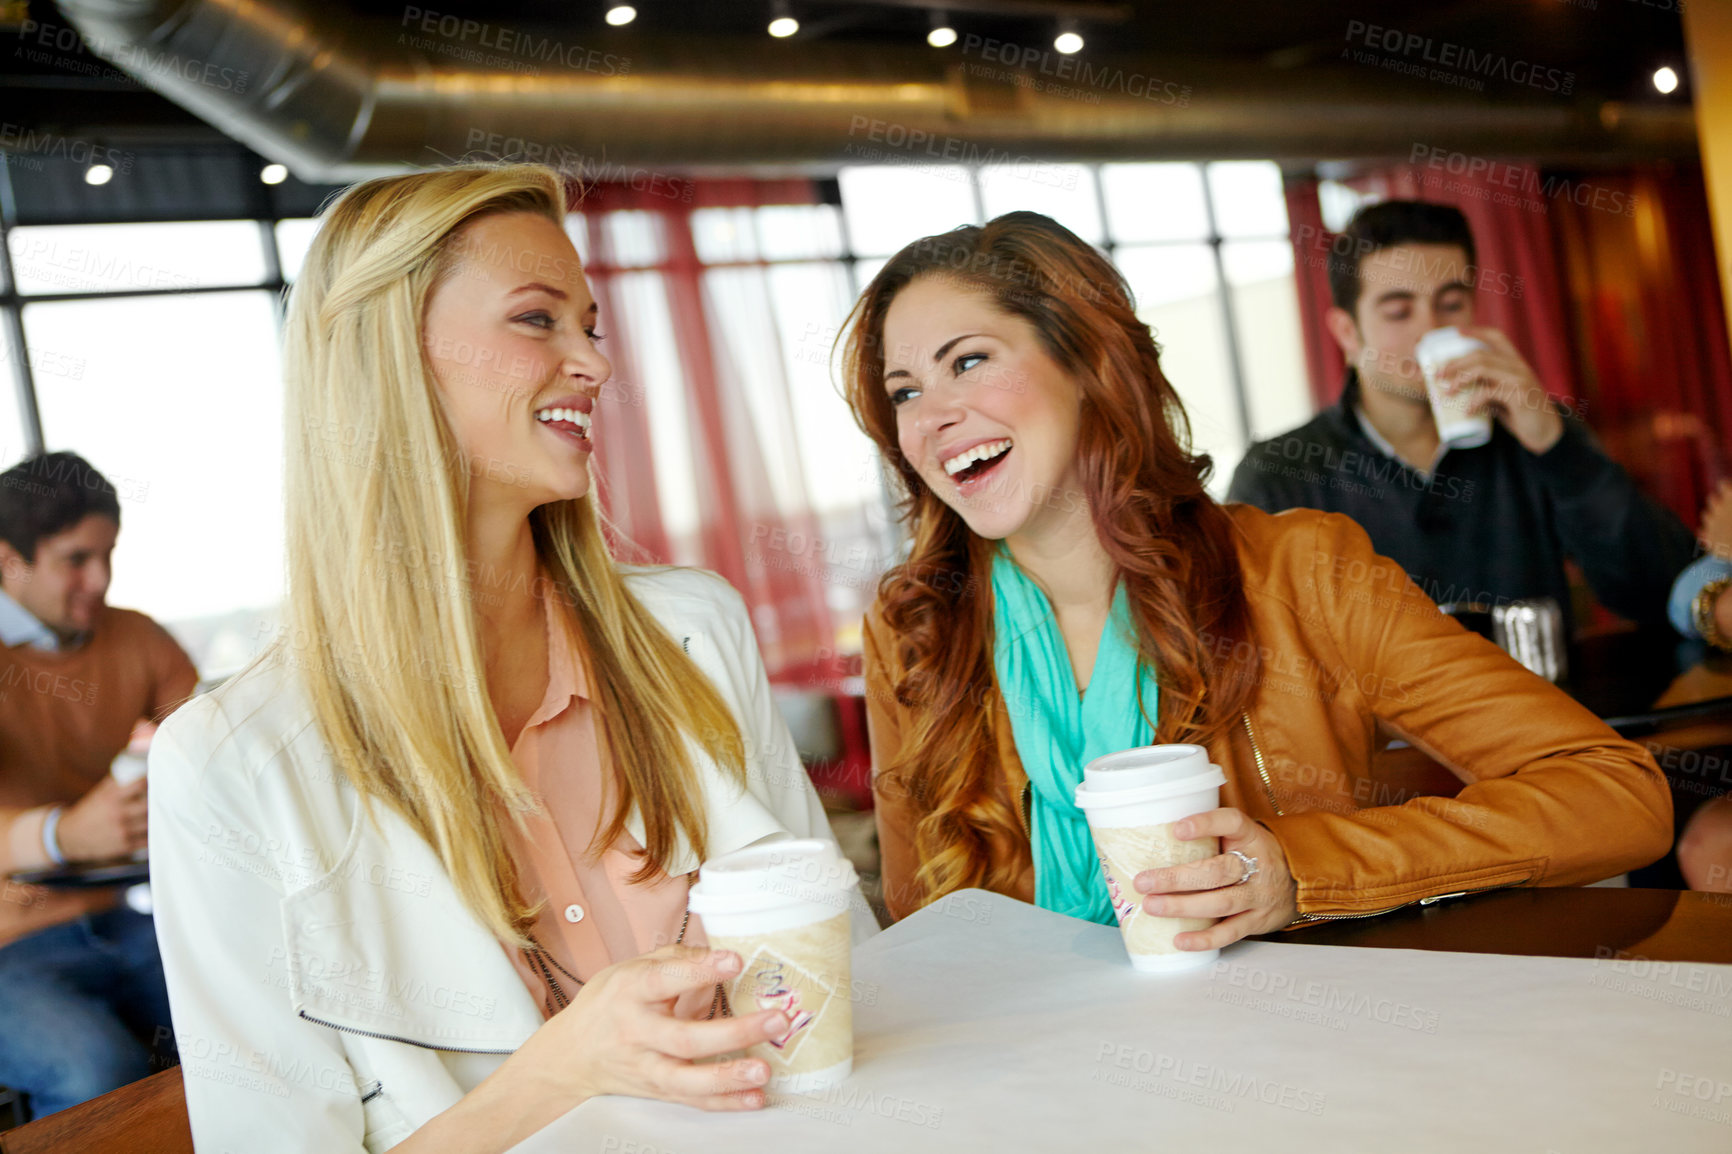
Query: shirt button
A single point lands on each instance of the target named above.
(574, 913)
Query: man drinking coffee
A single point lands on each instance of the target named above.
(1489, 524)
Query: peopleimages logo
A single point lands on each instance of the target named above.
(1221, 1088)
(1227, 978)
(1413, 53)
(17, 141)
(471, 39)
(948, 150)
(1072, 76)
(1519, 178)
(574, 162)
(37, 41)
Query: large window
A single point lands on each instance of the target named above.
(13, 443)
(776, 284)
(153, 353)
(176, 400)
(1203, 246)
(103, 258)
(778, 323)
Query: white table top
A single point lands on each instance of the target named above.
(982, 1023)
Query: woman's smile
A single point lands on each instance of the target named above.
(969, 468)
(569, 421)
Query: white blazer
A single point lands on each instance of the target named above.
(330, 991)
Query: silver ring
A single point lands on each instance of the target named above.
(1251, 866)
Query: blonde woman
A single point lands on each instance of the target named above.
(421, 870)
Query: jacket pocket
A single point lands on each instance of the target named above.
(384, 1123)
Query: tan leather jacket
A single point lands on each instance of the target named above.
(1353, 650)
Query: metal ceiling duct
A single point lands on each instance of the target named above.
(338, 98)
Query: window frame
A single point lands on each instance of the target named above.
(12, 301)
(677, 253)
(1213, 239)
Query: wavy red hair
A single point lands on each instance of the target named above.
(1171, 543)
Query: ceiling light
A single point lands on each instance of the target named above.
(98, 174)
(942, 34)
(784, 26)
(273, 174)
(621, 14)
(1068, 42)
(1665, 80)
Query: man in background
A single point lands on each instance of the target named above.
(82, 998)
(1491, 524)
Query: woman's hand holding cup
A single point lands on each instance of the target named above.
(1211, 888)
(619, 1036)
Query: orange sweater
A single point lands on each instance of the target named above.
(63, 719)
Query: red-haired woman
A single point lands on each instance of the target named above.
(1072, 590)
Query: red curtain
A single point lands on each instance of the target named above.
(1324, 365)
(732, 486)
(624, 467)
(1646, 302)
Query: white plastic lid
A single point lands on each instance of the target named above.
(771, 874)
(1144, 765)
(1211, 777)
(1440, 345)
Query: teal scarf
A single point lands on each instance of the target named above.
(1057, 733)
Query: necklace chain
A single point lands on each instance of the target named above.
(541, 959)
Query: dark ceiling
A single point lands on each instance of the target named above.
(1611, 46)
(1608, 43)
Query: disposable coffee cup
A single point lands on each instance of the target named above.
(128, 767)
(130, 764)
(784, 908)
(1132, 800)
(1456, 427)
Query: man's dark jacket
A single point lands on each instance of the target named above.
(1493, 524)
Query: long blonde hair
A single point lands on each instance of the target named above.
(379, 619)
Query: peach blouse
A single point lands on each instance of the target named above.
(593, 917)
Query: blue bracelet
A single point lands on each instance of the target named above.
(51, 837)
